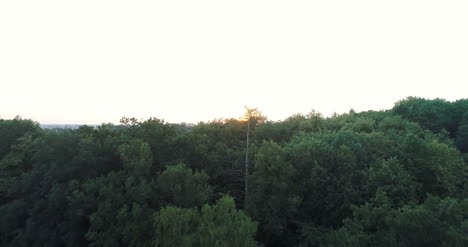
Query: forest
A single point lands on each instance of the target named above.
(395, 177)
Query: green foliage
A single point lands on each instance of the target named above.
(218, 149)
(14, 164)
(376, 178)
(461, 139)
(434, 115)
(437, 166)
(219, 225)
(178, 186)
(391, 177)
(11, 130)
(331, 174)
(39, 195)
(282, 132)
(271, 200)
(117, 205)
(436, 222)
(159, 135)
(16, 141)
(136, 156)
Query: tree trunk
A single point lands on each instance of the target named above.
(247, 164)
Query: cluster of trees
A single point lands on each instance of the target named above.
(378, 178)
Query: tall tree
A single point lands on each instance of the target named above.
(252, 117)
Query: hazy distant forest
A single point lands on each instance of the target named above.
(378, 178)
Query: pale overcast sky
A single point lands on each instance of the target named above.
(189, 61)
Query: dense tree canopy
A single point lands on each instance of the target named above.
(378, 178)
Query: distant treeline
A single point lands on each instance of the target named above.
(378, 178)
(63, 126)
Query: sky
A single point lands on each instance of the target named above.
(89, 62)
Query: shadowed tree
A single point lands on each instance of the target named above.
(462, 134)
(272, 200)
(178, 186)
